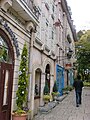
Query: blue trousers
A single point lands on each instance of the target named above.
(78, 97)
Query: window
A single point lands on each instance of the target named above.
(4, 52)
(6, 88)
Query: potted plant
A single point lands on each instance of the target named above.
(55, 92)
(46, 96)
(19, 114)
(67, 89)
(21, 95)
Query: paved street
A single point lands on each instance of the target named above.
(67, 110)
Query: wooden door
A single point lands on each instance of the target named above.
(6, 81)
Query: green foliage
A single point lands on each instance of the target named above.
(55, 93)
(21, 93)
(46, 89)
(46, 97)
(79, 34)
(3, 54)
(83, 53)
(55, 88)
(87, 84)
(19, 112)
(68, 88)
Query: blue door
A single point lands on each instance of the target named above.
(60, 78)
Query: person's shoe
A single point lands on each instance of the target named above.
(77, 105)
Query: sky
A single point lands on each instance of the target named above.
(80, 13)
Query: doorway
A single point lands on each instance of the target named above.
(37, 91)
(47, 75)
(6, 75)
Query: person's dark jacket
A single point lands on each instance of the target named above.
(78, 84)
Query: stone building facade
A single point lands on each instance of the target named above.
(44, 26)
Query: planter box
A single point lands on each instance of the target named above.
(19, 117)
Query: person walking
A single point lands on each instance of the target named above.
(78, 84)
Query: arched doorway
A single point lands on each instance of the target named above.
(47, 75)
(37, 90)
(6, 75)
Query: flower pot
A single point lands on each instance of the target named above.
(19, 117)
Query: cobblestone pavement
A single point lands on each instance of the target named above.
(67, 110)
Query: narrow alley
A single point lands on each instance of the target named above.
(67, 110)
